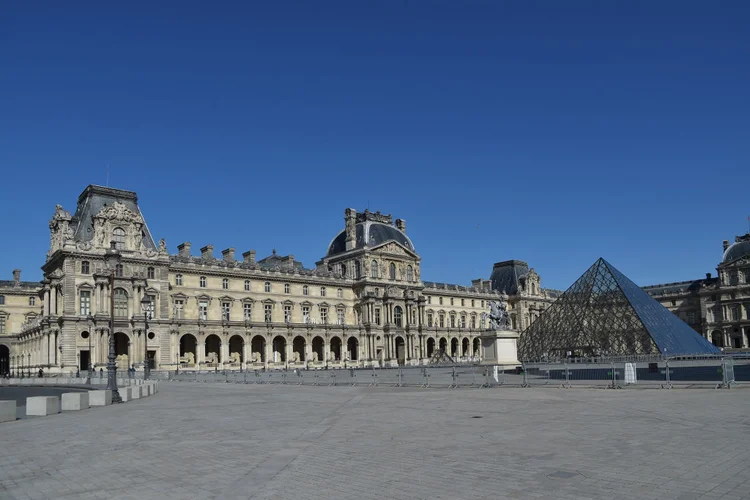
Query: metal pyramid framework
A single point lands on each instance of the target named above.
(605, 314)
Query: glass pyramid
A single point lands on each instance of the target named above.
(605, 314)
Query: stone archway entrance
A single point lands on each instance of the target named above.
(213, 349)
(477, 348)
(352, 347)
(465, 348)
(122, 351)
(335, 349)
(717, 338)
(454, 347)
(317, 349)
(258, 348)
(400, 350)
(298, 347)
(188, 349)
(279, 349)
(430, 347)
(236, 344)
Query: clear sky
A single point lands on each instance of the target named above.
(552, 132)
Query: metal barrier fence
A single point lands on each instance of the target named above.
(659, 373)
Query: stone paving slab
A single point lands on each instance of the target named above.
(225, 441)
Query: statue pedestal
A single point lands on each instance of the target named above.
(499, 347)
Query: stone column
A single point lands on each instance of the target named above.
(46, 300)
(269, 350)
(245, 351)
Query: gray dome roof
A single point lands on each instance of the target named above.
(369, 234)
(737, 250)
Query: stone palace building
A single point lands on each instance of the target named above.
(363, 304)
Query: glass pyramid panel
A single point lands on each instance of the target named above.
(605, 314)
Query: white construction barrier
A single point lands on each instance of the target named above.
(7, 411)
(126, 393)
(135, 392)
(100, 398)
(74, 401)
(42, 405)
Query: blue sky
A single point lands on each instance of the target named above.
(552, 132)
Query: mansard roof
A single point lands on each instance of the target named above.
(92, 200)
(508, 275)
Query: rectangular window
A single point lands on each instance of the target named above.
(322, 291)
(473, 321)
(225, 307)
(472, 302)
(151, 306)
(247, 308)
(287, 314)
(429, 320)
(85, 303)
(482, 304)
(225, 284)
(451, 300)
(377, 316)
(324, 315)
(203, 310)
(150, 273)
(85, 269)
(2, 324)
(268, 308)
(247, 285)
(440, 300)
(179, 309)
(463, 321)
(442, 321)
(287, 288)
(305, 314)
(178, 280)
(340, 293)
(462, 302)
(735, 313)
(340, 316)
(453, 321)
(429, 299)
(32, 301)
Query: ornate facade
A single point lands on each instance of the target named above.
(364, 303)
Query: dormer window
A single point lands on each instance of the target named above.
(374, 270)
(392, 271)
(118, 236)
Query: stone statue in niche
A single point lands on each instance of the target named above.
(234, 358)
(162, 246)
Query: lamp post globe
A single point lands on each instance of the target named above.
(112, 259)
(146, 307)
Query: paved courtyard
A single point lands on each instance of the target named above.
(229, 441)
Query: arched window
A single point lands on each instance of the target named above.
(287, 288)
(374, 270)
(118, 270)
(178, 279)
(247, 285)
(392, 271)
(121, 303)
(267, 287)
(203, 282)
(118, 236)
(305, 290)
(343, 270)
(397, 315)
(340, 293)
(322, 291)
(409, 273)
(225, 284)
(357, 269)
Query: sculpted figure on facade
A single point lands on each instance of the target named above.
(498, 315)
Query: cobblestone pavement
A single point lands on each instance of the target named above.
(224, 441)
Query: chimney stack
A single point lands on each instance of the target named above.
(401, 225)
(726, 244)
(249, 257)
(17, 277)
(228, 254)
(183, 249)
(207, 252)
(350, 217)
(708, 276)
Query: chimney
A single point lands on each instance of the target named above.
(207, 252)
(228, 254)
(350, 217)
(183, 249)
(708, 276)
(16, 277)
(726, 244)
(249, 257)
(401, 225)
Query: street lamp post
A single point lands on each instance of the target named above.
(90, 366)
(29, 364)
(112, 259)
(146, 307)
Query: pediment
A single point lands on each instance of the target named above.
(179, 295)
(393, 248)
